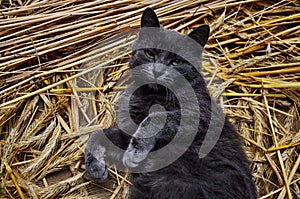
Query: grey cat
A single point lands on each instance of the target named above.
(171, 135)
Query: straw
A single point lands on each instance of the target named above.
(64, 64)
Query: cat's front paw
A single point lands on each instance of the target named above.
(94, 157)
(137, 151)
(132, 157)
(141, 143)
(96, 168)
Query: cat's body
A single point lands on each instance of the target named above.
(222, 173)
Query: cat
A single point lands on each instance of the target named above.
(164, 118)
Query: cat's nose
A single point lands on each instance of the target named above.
(157, 72)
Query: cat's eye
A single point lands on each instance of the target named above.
(177, 62)
(149, 54)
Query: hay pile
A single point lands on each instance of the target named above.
(61, 69)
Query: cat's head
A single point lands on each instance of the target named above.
(160, 56)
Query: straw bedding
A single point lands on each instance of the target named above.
(62, 65)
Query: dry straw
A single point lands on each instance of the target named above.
(62, 65)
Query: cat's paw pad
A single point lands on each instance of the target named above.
(96, 168)
(132, 157)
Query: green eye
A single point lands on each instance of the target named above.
(177, 62)
(149, 54)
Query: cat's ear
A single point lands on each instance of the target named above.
(200, 34)
(149, 18)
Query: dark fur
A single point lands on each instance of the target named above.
(223, 173)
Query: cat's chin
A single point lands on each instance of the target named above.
(155, 87)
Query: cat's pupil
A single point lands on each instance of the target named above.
(149, 54)
(177, 62)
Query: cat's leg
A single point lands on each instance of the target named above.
(100, 148)
(157, 127)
